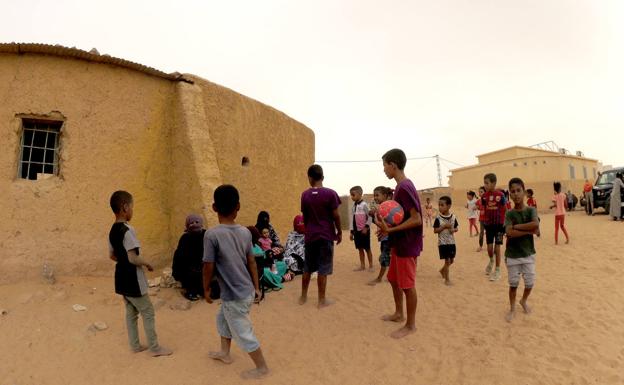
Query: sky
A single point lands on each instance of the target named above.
(453, 78)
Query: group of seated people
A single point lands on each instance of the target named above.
(276, 263)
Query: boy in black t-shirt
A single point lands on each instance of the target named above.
(130, 281)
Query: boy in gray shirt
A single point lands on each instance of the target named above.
(227, 247)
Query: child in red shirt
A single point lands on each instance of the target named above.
(495, 209)
(532, 202)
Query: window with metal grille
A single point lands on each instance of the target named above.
(40, 146)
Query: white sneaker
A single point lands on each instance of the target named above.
(495, 276)
(488, 268)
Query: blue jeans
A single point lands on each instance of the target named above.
(233, 323)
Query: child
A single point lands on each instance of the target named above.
(406, 243)
(265, 240)
(520, 225)
(360, 227)
(495, 207)
(508, 202)
(473, 212)
(559, 203)
(382, 194)
(319, 206)
(481, 207)
(532, 202)
(130, 281)
(445, 226)
(570, 198)
(428, 213)
(228, 248)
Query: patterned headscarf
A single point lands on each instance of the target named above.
(194, 223)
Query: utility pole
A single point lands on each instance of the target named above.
(439, 171)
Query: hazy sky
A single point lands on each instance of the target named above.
(455, 78)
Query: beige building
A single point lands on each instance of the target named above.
(76, 126)
(536, 167)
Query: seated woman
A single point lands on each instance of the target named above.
(271, 272)
(264, 222)
(294, 254)
(187, 259)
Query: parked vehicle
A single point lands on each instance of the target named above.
(603, 186)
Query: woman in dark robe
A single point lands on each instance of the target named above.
(187, 259)
(264, 222)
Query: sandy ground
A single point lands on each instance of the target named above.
(574, 336)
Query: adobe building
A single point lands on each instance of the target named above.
(76, 126)
(538, 169)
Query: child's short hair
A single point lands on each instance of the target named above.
(517, 181)
(315, 172)
(490, 177)
(264, 228)
(387, 191)
(529, 191)
(118, 199)
(446, 199)
(395, 156)
(357, 189)
(226, 199)
(482, 188)
(472, 193)
(557, 186)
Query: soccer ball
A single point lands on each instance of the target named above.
(391, 212)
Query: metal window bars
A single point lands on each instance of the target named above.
(39, 156)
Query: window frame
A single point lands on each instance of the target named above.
(33, 125)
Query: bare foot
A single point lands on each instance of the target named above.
(480, 249)
(139, 349)
(374, 282)
(303, 299)
(361, 268)
(254, 374)
(448, 282)
(162, 351)
(371, 269)
(396, 317)
(525, 307)
(403, 332)
(567, 241)
(325, 302)
(221, 356)
(510, 316)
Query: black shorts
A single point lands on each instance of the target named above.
(319, 256)
(361, 240)
(494, 234)
(447, 251)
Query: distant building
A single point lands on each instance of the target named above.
(538, 169)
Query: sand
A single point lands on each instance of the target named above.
(575, 334)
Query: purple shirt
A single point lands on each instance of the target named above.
(318, 205)
(407, 243)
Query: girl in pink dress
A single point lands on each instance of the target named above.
(559, 202)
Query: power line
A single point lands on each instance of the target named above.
(369, 160)
(451, 162)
